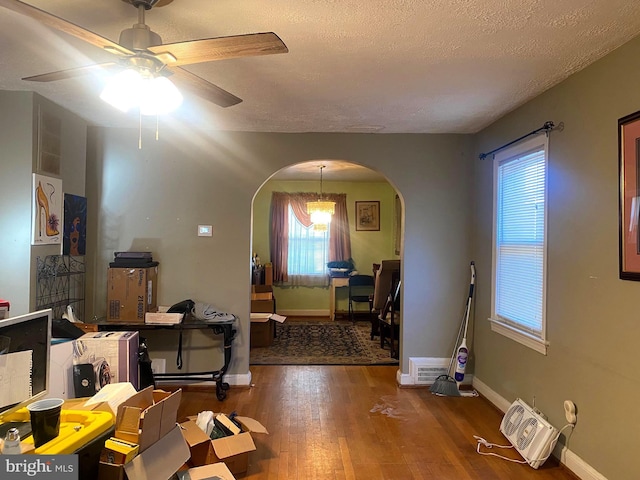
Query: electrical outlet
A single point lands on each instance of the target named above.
(158, 365)
(570, 412)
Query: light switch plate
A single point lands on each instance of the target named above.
(205, 230)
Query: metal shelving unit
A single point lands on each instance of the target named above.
(60, 281)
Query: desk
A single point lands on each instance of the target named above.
(224, 327)
(336, 282)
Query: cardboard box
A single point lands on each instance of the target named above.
(261, 292)
(131, 292)
(263, 330)
(232, 450)
(208, 472)
(262, 300)
(147, 416)
(120, 352)
(163, 318)
(161, 460)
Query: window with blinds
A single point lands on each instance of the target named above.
(519, 246)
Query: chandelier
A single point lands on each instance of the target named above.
(321, 210)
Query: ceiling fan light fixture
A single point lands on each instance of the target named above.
(122, 90)
(159, 96)
(153, 95)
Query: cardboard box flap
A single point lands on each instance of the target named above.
(259, 317)
(128, 420)
(251, 425)
(192, 433)
(199, 444)
(233, 445)
(170, 404)
(160, 460)
(213, 471)
(141, 400)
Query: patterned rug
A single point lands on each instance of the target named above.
(322, 343)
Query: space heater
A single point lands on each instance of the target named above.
(529, 433)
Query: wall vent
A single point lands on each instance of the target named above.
(424, 371)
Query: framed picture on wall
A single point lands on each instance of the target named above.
(397, 225)
(74, 239)
(47, 210)
(629, 203)
(368, 216)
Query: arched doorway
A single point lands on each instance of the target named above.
(370, 243)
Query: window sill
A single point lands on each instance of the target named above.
(525, 339)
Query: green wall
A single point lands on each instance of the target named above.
(18, 138)
(593, 321)
(366, 247)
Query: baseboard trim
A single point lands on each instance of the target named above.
(573, 462)
(304, 313)
(404, 379)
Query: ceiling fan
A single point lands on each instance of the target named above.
(141, 49)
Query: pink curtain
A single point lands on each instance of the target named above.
(339, 238)
(299, 202)
(279, 240)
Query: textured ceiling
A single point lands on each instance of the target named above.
(387, 66)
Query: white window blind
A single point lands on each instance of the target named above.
(308, 254)
(519, 241)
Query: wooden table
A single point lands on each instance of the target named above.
(336, 282)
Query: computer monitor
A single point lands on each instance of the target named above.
(25, 347)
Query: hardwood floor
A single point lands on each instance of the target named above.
(355, 423)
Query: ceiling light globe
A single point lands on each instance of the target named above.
(159, 96)
(122, 90)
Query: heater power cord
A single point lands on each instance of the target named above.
(482, 442)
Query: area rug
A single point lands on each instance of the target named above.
(322, 343)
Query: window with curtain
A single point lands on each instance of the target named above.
(308, 253)
(519, 247)
(299, 253)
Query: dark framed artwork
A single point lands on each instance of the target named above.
(397, 225)
(368, 216)
(629, 208)
(74, 240)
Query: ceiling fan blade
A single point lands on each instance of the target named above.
(221, 48)
(61, 25)
(72, 72)
(203, 88)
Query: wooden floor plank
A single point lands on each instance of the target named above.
(355, 423)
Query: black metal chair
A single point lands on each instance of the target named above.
(360, 289)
